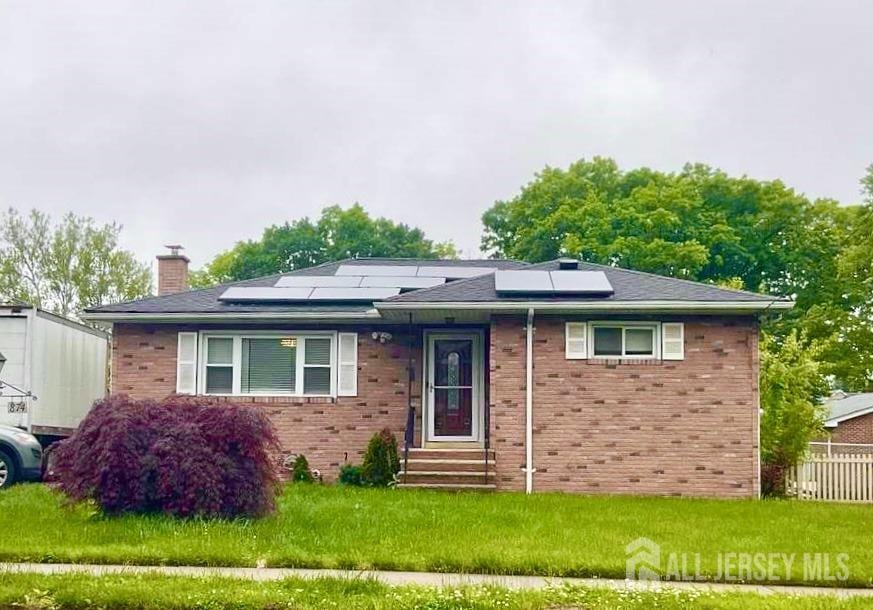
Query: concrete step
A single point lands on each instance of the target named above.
(448, 478)
(450, 454)
(416, 464)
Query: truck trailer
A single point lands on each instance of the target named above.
(53, 369)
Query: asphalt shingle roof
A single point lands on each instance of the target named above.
(206, 300)
(852, 403)
(628, 285)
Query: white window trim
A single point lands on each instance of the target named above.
(656, 339)
(238, 336)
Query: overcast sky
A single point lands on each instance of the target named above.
(201, 122)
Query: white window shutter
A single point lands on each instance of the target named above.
(348, 364)
(673, 341)
(186, 364)
(576, 341)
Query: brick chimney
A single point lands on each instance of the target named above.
(172, 271)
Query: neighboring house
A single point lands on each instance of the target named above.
(850, 418)
(557, 376)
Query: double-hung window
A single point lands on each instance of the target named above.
(219, 365)
(624, 340)
(269, 364)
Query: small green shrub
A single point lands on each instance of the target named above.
(300, 472)
(381, 461)
(351, 474)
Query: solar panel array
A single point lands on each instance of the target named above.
(266, 294)
(355, 281)
(587, 283)
(352, 283)
(447, 272)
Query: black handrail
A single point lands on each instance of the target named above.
(408, 439)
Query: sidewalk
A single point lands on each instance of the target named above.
(433, 579)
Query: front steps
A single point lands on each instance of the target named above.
(449, 469)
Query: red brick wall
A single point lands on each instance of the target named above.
(681, 427)
(329, 432)
(172, 274)
(856, 430)
(687, 427)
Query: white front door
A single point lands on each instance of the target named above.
(454, 386)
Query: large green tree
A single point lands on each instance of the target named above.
(699, 224)
(338, 234)
(67, 266)
(845, 321)
(792, 387)
(703, 224)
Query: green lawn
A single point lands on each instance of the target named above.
(335, 527)
(147, 592)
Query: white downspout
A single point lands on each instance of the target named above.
(528, 432)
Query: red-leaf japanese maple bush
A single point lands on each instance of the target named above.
(181, 456)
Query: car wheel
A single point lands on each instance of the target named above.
(7, 470)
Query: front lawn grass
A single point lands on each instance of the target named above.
(547, 534)
(155, 592)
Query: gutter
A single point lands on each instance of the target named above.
(255, 316)
(528, 406)
(624, 306)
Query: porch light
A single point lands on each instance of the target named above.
(2, 361)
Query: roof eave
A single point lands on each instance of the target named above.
(596, 306)
(833, 422)
(255, 316)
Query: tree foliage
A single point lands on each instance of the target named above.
(68, 266)
(702, 224)
(338, 234)
(792, 387)
(846, 323)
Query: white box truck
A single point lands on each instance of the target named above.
(53, 372)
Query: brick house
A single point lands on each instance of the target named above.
(849, 418)
(561, 376)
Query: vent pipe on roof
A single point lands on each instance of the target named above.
(568, 264)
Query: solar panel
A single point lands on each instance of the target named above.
(264, 293)
(591, 283)
(452, 272)
(389, 270)
(318, 281)
(401, 282)
(352, 294)
(581, 282)
(522, 281)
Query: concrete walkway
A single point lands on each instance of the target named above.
(433, 579)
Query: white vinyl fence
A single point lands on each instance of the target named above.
(840, 477)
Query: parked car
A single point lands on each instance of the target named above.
(20, 456)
